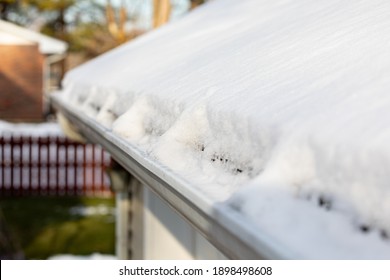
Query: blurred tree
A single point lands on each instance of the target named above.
(116, 27)
(51, 12)
(55, 10)
(161, 12)
(6, 6)
(89, 26)
(14, 10)
(196, 3)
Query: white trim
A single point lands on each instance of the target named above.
(47, 45)
(7, 38)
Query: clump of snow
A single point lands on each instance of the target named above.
(94, 256)
(279, 109)
(30, 129)
(92, 210)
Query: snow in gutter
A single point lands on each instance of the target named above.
(278, 109)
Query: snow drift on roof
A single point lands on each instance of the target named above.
(279, 109)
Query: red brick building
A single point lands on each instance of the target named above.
(27, 71)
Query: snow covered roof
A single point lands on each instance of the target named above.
(13, 34)
(277, 111)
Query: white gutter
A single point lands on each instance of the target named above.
(225, 228)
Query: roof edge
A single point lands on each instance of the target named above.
(47, 45)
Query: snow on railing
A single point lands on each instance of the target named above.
(51, 165)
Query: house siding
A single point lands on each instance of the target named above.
(21, 84)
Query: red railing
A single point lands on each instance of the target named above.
(52, 165)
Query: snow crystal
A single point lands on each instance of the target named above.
(94, 256)
(92, 210)
(279, 109)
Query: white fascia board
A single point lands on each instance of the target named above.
(47, 45)
(7, 38)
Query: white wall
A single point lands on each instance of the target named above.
(160, 233)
